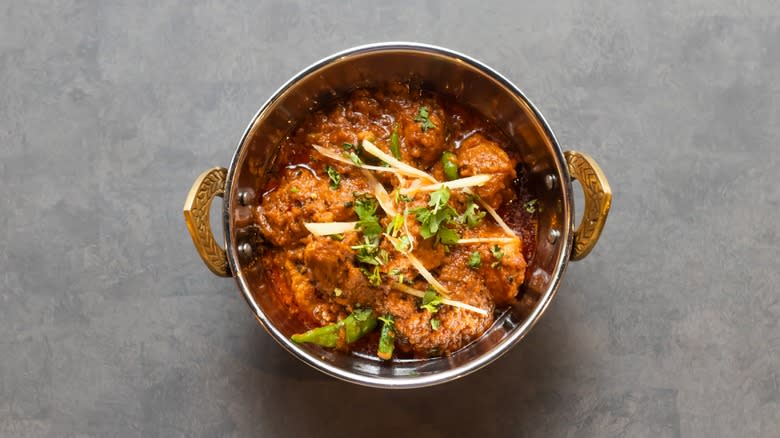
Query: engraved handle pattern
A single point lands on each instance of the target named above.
(209, 184)
(598, 200)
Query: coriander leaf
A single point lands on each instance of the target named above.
(431, 301)
(435, 324)
(403, 244)
(423, 216)
(337, 237)
(402, 198)
(394, 227)
(369, 252)
(398, 273)
(475, 260)
(439, 198)
(447, 236)
(383, 257)
(472, 215)
(347, 146)
(395, 143)
(365, 208)
(498, 253)
(387, 319)
(335, 178)
(294, 190)
(432, 219)
(337, 292)
(531, 206)
(374, 276)
(355, 159)
(423, 118)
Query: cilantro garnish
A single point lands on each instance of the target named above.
(431, 301)
(365, 208)
(294, 190)
(395, 143)
(439, 198)
(423, 118)
(374, 276)
(398, 273)
(337, 292)
(369, 252)
(399, 197)
(472, 215)
(531, 206)
(355, 159)
(475, 260)
(387, 319)
(351, 151)
(402, 245)
(447, 236)
(335, 178)
(337, 237)
(435, 323)
(498, 253)
(395, 225)
(433, 219)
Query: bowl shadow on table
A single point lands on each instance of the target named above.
(299, 401)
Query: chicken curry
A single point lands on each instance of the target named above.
(396, 222)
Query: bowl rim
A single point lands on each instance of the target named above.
(405, 382)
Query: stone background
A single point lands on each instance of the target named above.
(111, 326)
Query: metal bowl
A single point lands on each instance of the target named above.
(471, 82)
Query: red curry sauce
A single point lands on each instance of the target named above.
(323, 279)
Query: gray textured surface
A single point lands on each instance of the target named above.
(111, 326)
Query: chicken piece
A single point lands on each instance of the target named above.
(502, 266)
(457, 327)
(303, 197)
(333, 273)
(422, 144)
(478, 155)
(302, 298)
(414, 333)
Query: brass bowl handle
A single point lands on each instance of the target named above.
(598, 199)
(209, 184)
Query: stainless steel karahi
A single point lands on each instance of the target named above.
(551, 174)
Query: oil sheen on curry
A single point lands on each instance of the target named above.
(396, 223)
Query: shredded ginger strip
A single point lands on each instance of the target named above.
(418, 293)
(486, 240)
(399, 165)
(329, 228)
(461, 183)
(420, 268)
(492, 213)
(380, 194)
(336, 157)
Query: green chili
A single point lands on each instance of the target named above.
(395, 143)
(448, 160)
(349, 330)
(387, 338)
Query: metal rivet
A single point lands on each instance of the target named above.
(246, 197)
(245, 250)
(553, 236)
(549, 181)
